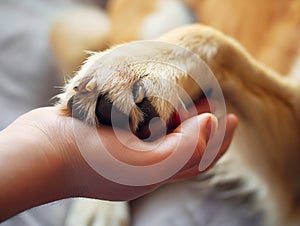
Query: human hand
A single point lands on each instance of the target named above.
(61, 171)
(82, 180)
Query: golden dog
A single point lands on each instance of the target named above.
(265, 153)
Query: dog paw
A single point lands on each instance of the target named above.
(90, 212)
(130, 85)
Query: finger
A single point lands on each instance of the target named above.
(205, 131)
(211, 126)
(186, 173)
(219, 143)
(231, 125)
(184, 138)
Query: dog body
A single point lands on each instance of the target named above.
(268, 109)
(264, 157)
(251, 91)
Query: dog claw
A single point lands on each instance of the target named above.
(90, 85)
(75, 88)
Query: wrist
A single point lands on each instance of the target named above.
(31, 174)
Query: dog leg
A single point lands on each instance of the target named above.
(266, 146)
(251, 90)
(268, 106)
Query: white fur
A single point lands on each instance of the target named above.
(97, 213)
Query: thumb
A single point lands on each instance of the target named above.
(187, 143)
(194, 134)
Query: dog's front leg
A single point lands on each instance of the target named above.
(267, 141)
(236, 70)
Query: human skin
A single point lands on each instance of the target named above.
(41, 162)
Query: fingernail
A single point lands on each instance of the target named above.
(211, 127)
